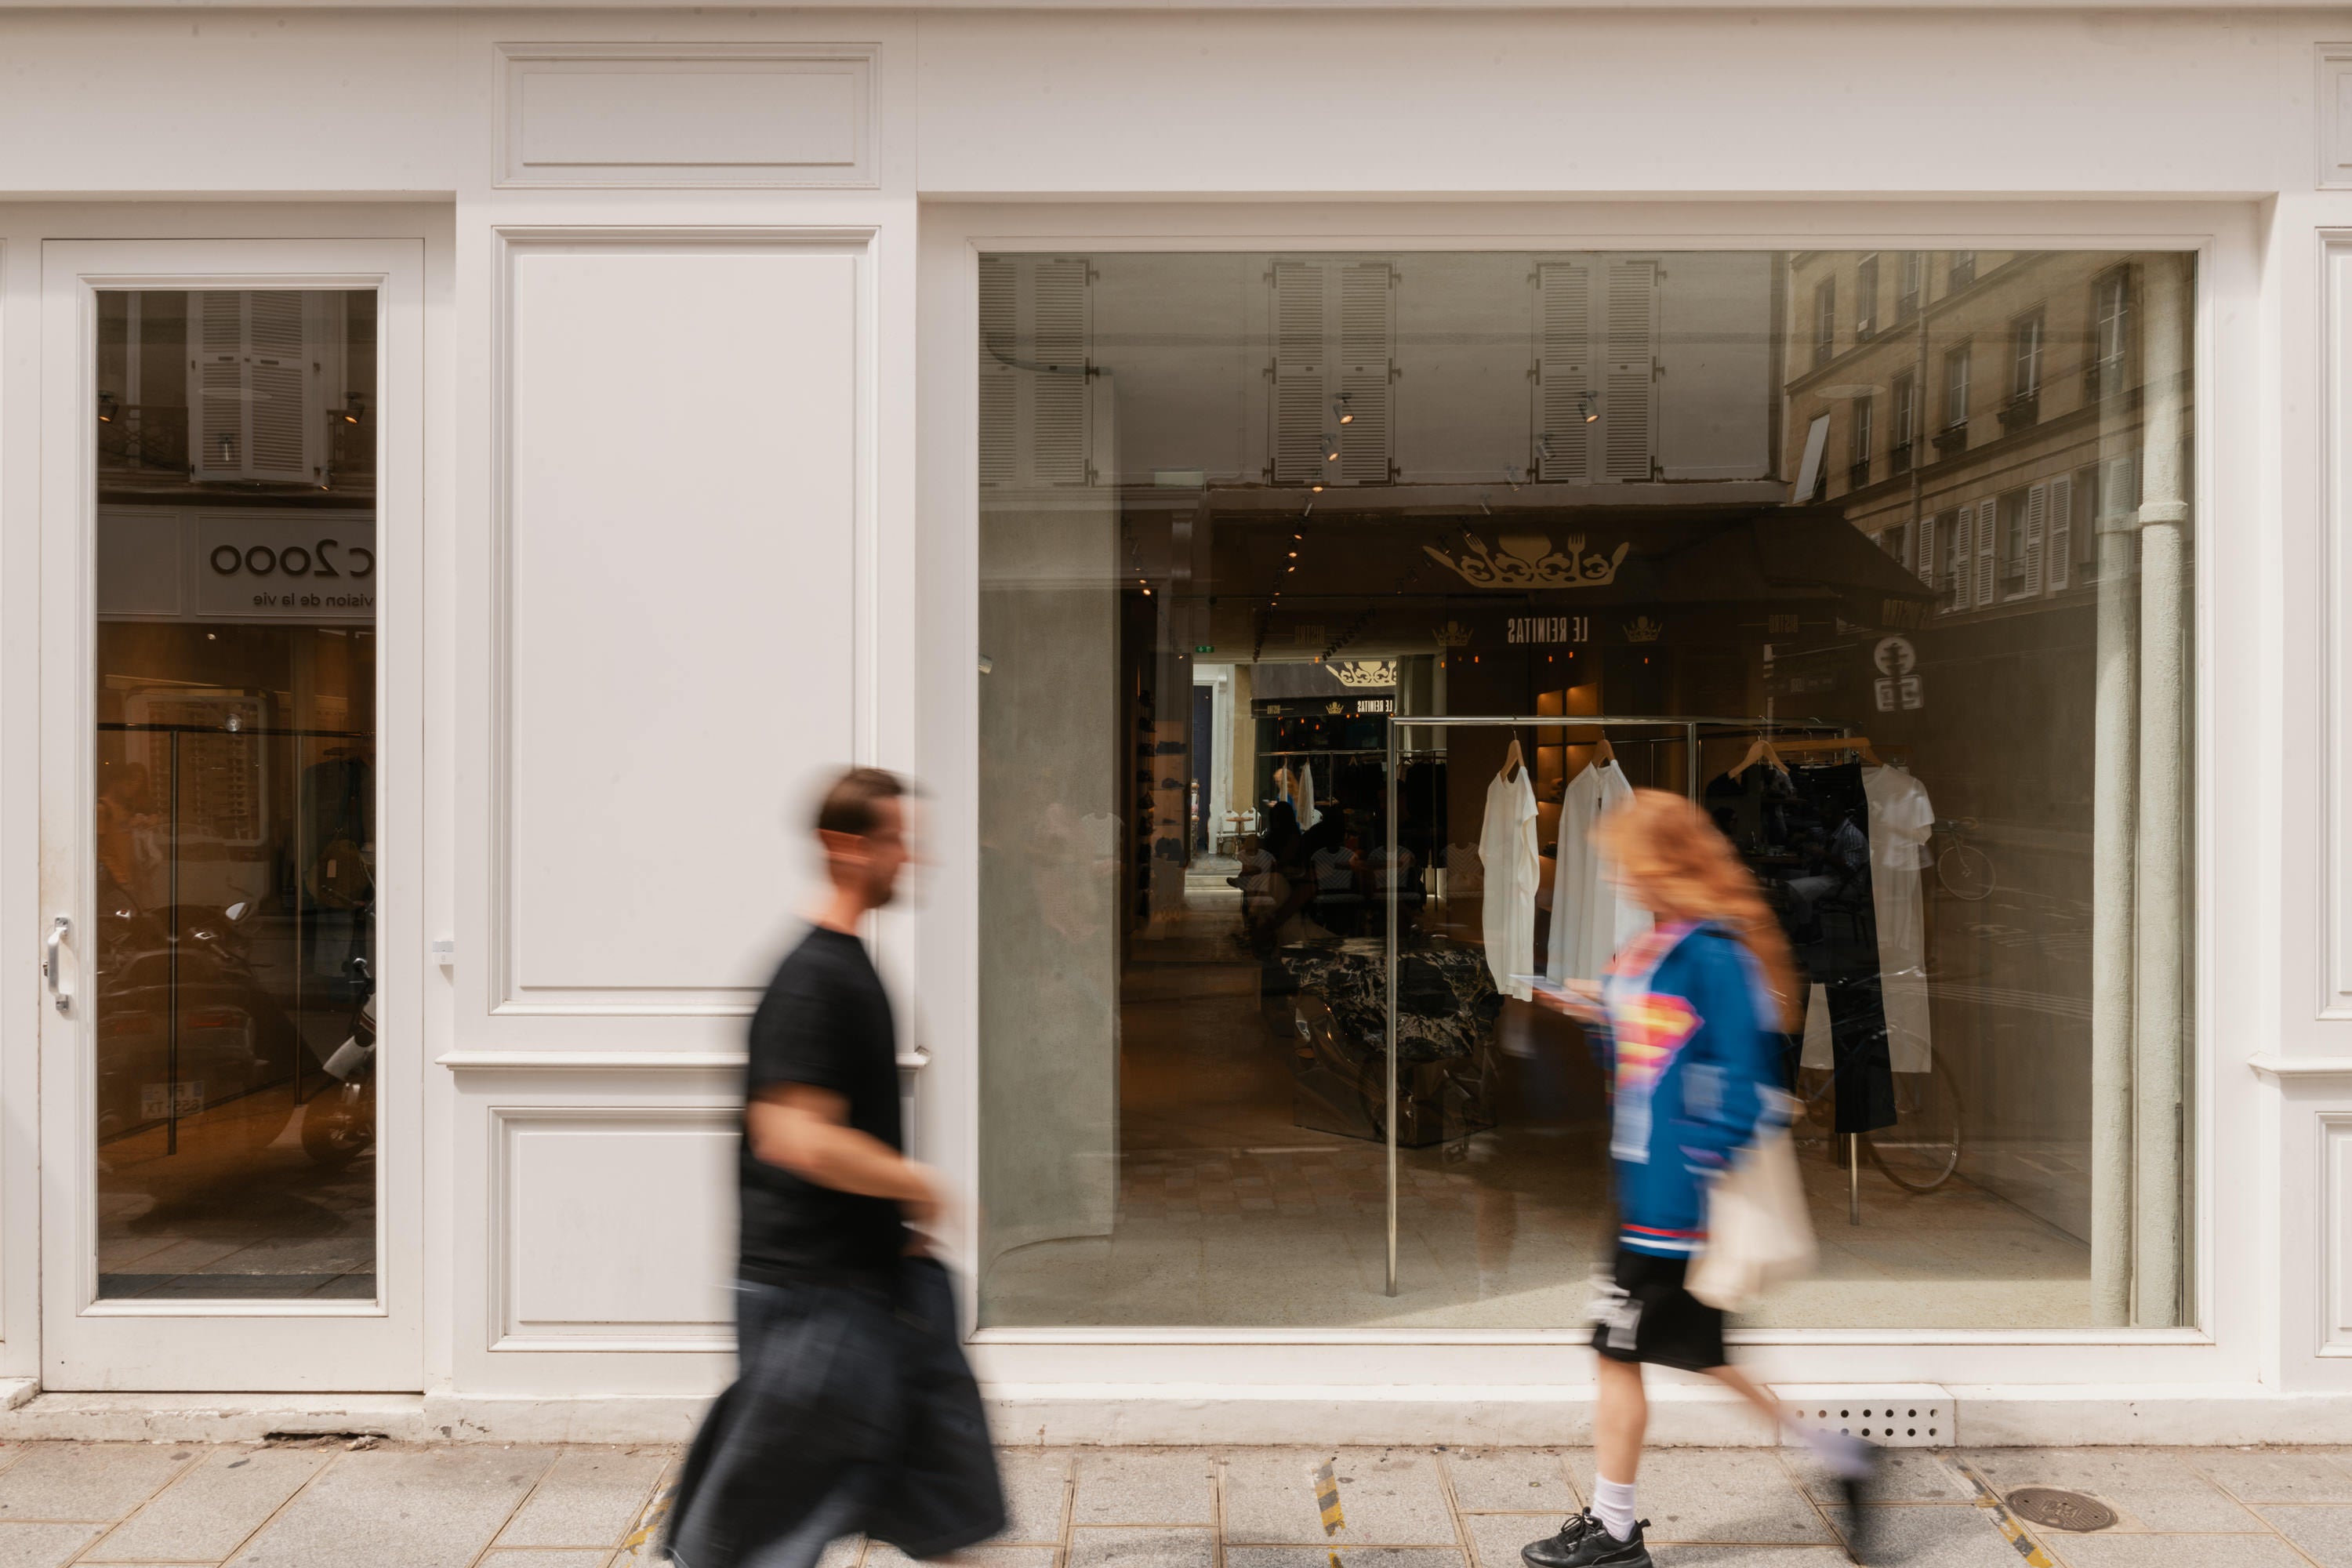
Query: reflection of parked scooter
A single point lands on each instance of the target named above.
(229, 1040)
(338, 1122)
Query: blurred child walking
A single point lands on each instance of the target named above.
(1686, 1023)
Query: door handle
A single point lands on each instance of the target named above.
(52, 965)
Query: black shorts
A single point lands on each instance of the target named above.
(1645, 1315)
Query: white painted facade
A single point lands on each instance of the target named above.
(589, 711)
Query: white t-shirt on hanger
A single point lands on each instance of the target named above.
(1514, 870)
(1901, 818)
(1588, 922)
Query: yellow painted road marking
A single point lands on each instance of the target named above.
(1327, 1498)
(1989, 1500)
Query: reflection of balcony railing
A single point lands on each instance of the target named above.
(145, 438)
(1857, 473)
(1899, 458)
(2020, 412)
(1952, 439)
(2103, 377)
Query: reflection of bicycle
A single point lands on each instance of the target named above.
(1965, 871)
(1921, 1151)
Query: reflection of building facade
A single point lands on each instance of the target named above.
(1984, 411)
(725, 394)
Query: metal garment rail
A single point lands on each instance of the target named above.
(1690, 724)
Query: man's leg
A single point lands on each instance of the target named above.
(1850, 1460)
(1621, 1419)
(1617, 1429)
(1738, 1382)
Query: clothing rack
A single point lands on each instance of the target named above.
(1690, 724)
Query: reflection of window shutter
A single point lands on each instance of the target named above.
(1959, 575)
(1334, 347)
(1301, 371)
(259, 403)
(1987, 537)
(1925, 549)
(218, 375)
(999, 387)
(1036, 341)
(1367, 339)
(1058, 333)
(2059, 554)
(1563, 370)
(2037, 517)
(279, 418)
(1629, 400)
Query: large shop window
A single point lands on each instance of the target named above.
(1251, 524)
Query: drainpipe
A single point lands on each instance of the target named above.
(2161, 1001)
(2114, 817)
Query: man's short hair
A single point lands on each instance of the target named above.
(849, 804)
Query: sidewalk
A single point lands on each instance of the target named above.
(320, 1503)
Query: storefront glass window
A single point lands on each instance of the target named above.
(234, 1084)
(1249, 523)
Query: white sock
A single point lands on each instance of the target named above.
(1841, 1453)
(1613, 1501)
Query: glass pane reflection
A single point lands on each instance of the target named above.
(232, 1014)
(1925, 518)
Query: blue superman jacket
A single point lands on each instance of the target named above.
(1693, 1076)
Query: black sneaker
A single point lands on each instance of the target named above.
(1585, 1543)
(1857, 1489)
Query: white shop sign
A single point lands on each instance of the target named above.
(195, 563)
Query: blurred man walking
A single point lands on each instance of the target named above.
(853, 1409)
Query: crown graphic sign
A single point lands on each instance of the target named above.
(1528, 561)
(1453, 633)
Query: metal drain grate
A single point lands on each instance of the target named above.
(2059, 1510)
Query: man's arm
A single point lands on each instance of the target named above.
(804, 1130)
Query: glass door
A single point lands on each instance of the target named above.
(219, 965)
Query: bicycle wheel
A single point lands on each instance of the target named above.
(1922, 1150)
(1966, 871)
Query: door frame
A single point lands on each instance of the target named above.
(223, 1345)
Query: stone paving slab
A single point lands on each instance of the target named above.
(297, 1505)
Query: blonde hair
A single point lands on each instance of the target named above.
(1686, 869)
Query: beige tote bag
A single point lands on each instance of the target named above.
(1758, 1232)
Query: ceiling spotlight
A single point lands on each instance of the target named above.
(106, 408)
(1294, 555)
(1316, 489)
(1543, 445)
(1330, 450)
(1591, 407)
(1341, 411)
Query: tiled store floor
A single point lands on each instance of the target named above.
(485, 1506)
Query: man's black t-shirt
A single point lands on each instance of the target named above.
(826, 1022)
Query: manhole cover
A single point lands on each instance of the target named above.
(2060, 1509)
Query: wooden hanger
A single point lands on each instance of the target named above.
(1761, 752)
(1602, 751)
(1514, 758)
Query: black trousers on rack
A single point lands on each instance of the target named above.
(1861, 1078)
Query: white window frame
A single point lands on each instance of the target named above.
(2227, 1277)
(2028, 342)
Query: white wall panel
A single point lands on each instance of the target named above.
(692, 114)
(615, 1225)
(681, 499)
